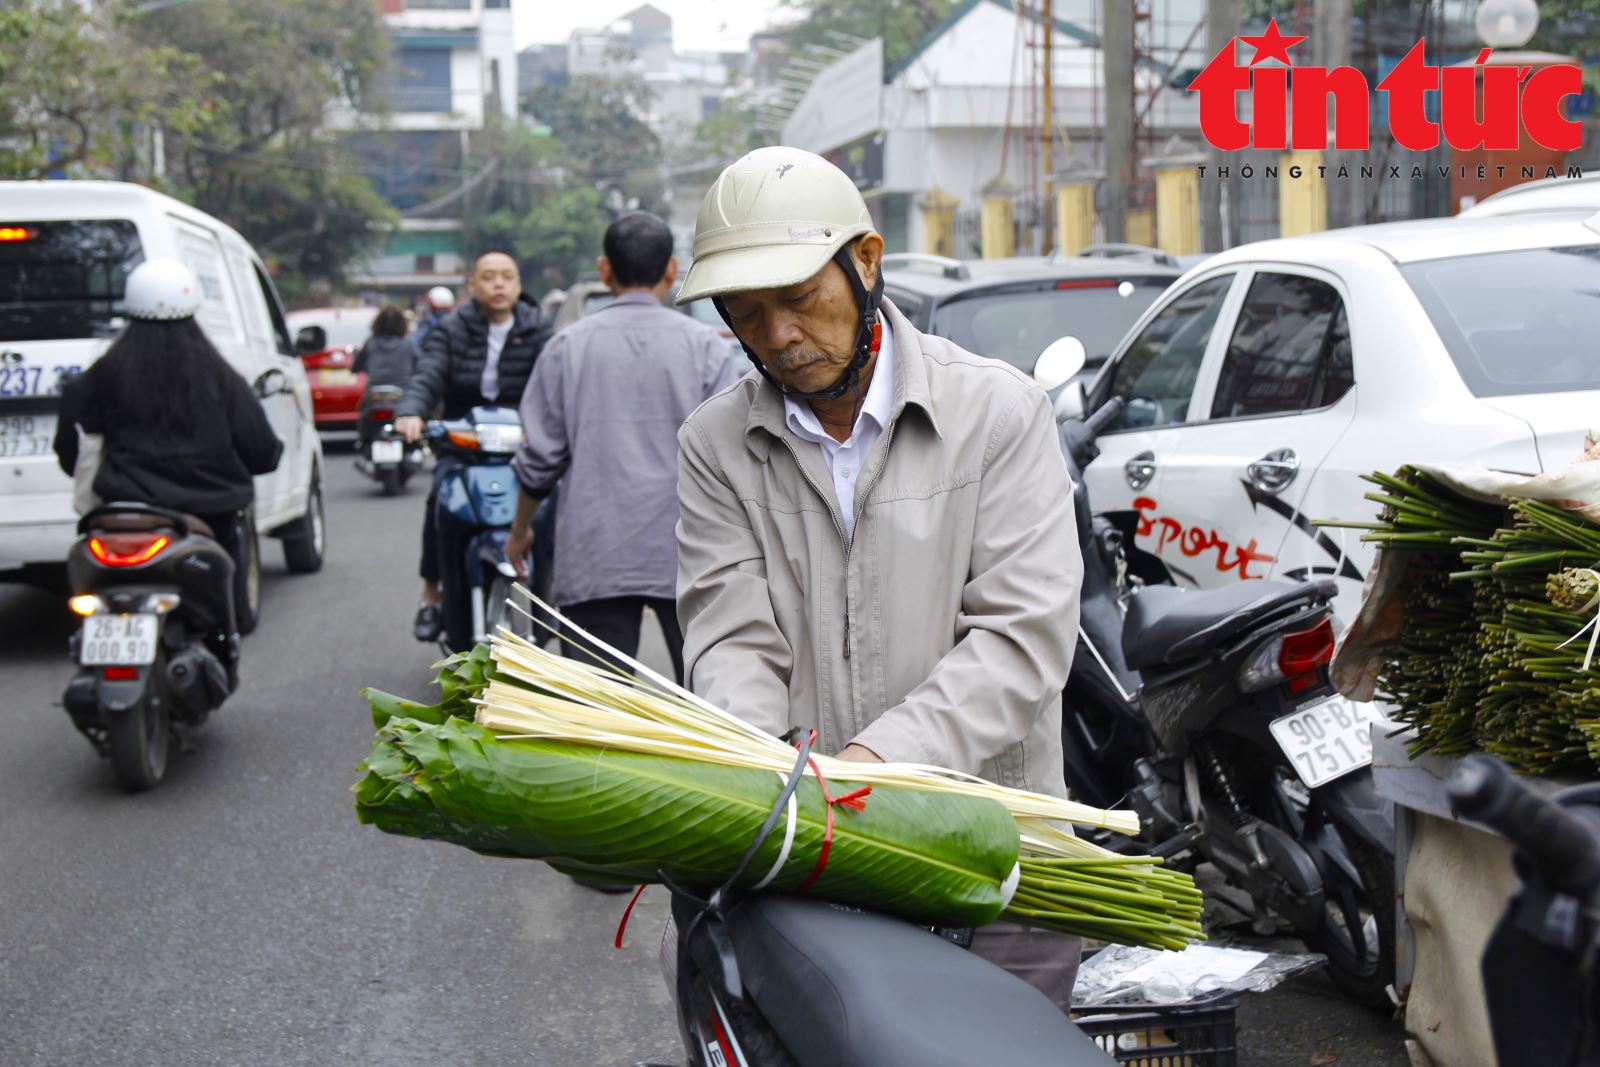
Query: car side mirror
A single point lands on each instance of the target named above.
(270, 384)
(310, 339)
(1058, 363)
(1072, 401)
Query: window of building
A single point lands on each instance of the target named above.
(418, 79)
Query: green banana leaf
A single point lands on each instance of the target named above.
(930, 857)
(461, 677)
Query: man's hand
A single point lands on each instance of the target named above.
(410, 427)
(519, 546)
(860, 754)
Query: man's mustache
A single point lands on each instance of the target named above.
(795, 359)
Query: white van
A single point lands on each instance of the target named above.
(66, 248)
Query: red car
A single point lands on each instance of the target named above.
(327, 339)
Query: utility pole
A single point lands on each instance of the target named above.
(1223, 22)
(1331, 31)
(1116, 46)
(1048, 134)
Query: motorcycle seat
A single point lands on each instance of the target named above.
(849, 988)
(1166, 625)
(141, 522)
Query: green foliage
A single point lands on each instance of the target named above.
(901, 23)
(603, 140)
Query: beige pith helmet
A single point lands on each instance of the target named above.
(773, 218)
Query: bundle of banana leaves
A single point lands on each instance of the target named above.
(1495, 652)
(614, 777)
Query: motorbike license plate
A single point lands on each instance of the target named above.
(119, 640)
(1326, 740)
(388, 451)
(26, 435)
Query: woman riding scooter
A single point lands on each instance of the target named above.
(388, 358)
(182, 429)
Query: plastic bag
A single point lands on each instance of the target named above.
(1122, 974)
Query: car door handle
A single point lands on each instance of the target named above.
(1140, 470)
(1273, 472)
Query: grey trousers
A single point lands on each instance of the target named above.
(1044, 959)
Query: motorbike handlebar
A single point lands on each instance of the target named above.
(1562, 843)
(1105, 416)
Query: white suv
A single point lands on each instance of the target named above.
(1269, 378)
(66, 248)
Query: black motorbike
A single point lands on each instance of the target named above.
(783, 981)
(158, 648)
(477, 500)
(1541, 968)
(1211, 715)
(381, 454)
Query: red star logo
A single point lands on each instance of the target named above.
(1272, 45)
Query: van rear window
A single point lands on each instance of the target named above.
(64, 280)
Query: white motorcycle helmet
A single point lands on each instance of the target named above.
(440, 298)
(161, 290)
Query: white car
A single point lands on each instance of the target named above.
(1269, 378)
(66, 248)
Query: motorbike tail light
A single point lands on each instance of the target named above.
(120, 674)
(464, 439)
(127, 549)
(382, 414)
(1304, 652)
(12, 234)
(1294, 658)
(86, 604)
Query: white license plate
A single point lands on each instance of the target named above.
(119, 640)
(1326, 740)
(26, 435)
(388, 451)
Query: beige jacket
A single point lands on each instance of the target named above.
(944, 632)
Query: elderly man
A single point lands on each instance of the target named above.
(876, 536)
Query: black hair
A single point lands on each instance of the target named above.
(638, 246)
(389, 322)
(163, 374)
(493, 250)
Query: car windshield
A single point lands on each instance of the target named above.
(64, 280)
(345, 331)
(1017, 324)
(1517, 322)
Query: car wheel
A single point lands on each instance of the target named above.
(306, 540)
(247, 576)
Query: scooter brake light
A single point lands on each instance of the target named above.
(382, 414)
(1305, 651)
(127, 549)
(464, 439)
(120, 674)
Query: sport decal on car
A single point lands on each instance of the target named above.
(1342, 567)
(1194, 541)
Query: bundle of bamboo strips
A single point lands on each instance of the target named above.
(495, 790)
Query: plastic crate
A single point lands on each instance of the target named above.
(1201, 1034)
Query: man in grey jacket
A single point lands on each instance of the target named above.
(601, 415)
(877, 537)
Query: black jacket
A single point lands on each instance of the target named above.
(387, 360)
(454, 354)
(207, 471)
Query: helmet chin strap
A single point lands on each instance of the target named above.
(868, 337)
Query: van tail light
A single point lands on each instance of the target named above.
(1087, 283)
(1295, 658)
(127, 549)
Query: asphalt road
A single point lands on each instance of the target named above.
(237, 915)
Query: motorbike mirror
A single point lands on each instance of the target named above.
(270, 384)
(310, 339)
(1071, 402)
(1059, 362)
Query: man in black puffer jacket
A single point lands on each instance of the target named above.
(482, 353)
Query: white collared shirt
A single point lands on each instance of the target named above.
(845, 458)
(489, 384)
